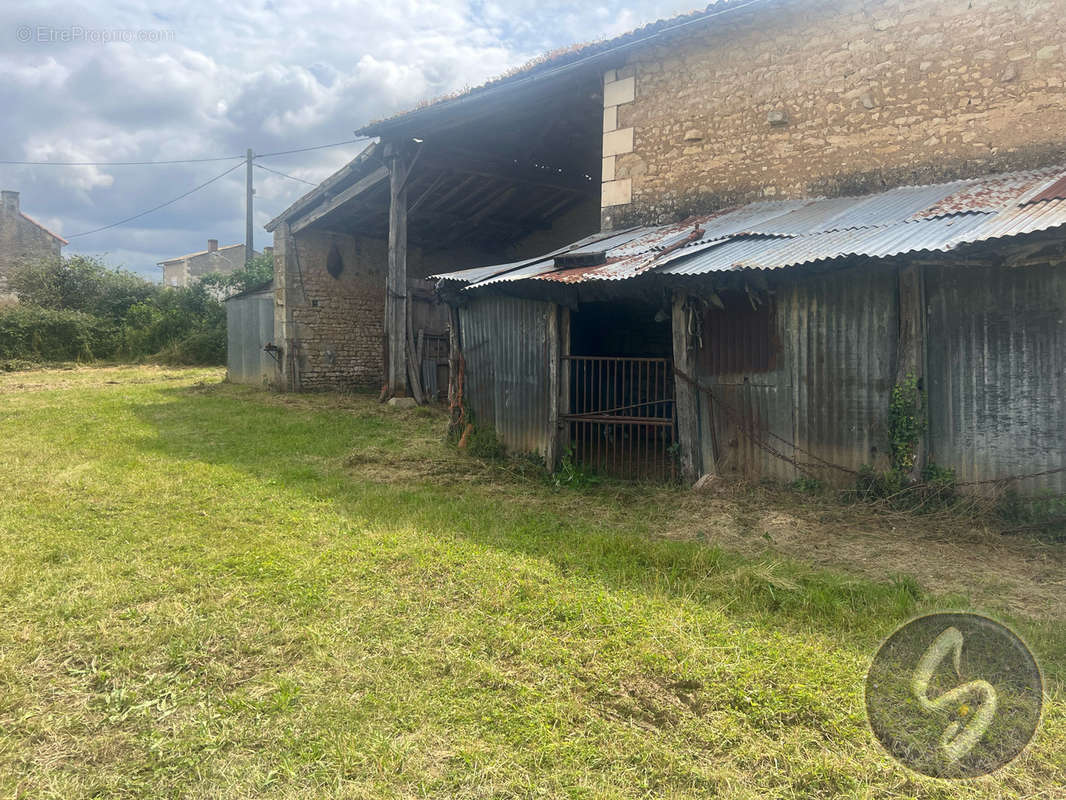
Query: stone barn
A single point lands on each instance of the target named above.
(747, 227)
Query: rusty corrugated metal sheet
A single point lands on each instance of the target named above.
(826, 388)
(786, 233)
(997, 373)
(505, 344)
(1026, 219)
(1056, 191)
(941, 234)
(991, 194)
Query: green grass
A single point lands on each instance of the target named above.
(210, 591)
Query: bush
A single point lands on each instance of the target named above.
(33, 333)
(78, 309)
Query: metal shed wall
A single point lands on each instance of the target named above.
(996, 352)
(249, 326)
(505, 344)
(829, 387)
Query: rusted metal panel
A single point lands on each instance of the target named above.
(748, 409)
(841, 348)
(767, 253)
(740, 340)
(991, 194)
(505, 345)
(1055, 191)
(997, 372)
(826, 393)
(249, 327)
(777, 234)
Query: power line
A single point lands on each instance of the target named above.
(173, 161)
(315, 147)
(117, 163)
(282, 174)
(161, 205)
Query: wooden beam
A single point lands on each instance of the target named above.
(429, 190)
(686, 396)
(502, 169)
(353, 191)
(396, 280)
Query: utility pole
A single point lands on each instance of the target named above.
(249, 191)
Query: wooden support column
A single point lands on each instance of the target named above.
(396, 282)
(286, 287)
(562, 432)
(910, 348)
(551, 450)
(686, 396)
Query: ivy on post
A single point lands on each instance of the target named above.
(908, 409)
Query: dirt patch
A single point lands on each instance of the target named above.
(1016, 573)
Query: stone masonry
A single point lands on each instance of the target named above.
(336, 325)
(22, 240)
(793, 98)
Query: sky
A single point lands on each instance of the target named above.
(114, 81)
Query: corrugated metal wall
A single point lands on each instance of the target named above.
(997, 371)
(249, 326)
(842, 331)
(505, 344)
(827, 388)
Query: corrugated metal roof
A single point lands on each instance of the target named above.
(786, 233)
(773, 253)
(1055, 191)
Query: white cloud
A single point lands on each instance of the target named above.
(257, 73)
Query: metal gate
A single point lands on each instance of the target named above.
(621, 415)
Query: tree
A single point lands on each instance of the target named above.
(257, 272)
(80, 283)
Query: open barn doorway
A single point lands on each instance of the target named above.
(620, 390)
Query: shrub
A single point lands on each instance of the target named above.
(33, 333)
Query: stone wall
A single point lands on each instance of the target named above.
(795, 98)
(332, 325)
(336, 325)
(21, 241)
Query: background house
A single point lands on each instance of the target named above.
(22, 240)
(188, 269)
(814, 107)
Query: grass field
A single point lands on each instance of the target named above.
(210, 591)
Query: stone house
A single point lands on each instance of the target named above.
(188, 269)
(22, 240)
(719, 243)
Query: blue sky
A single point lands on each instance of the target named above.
(113, 81)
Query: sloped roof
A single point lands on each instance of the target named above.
(43, 228)
(557, 62)
(788, 233)
(202, 253)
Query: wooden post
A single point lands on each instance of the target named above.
(910, 349)
(686, 396)
(396, 283)
(551, 449)
(563, 429)
(453, 355)
(286, 280)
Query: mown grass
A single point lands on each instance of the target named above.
(209, 591)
